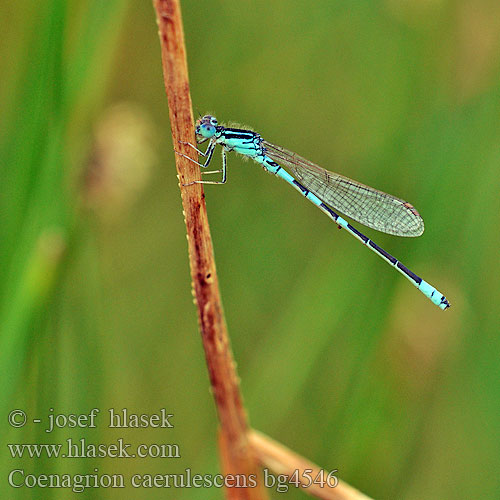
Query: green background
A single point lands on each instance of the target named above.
(340, 358)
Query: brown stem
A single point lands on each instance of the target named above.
(236, 454)
(281, 460)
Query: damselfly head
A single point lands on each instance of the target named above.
(205, 128)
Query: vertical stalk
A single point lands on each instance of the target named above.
(236, 454)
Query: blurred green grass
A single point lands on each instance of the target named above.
(340, 359)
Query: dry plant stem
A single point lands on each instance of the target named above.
(281, 460)
(236, 456)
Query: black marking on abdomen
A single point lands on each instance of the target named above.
(388, 256)
(360, 235)
(271, 163)
(329, 210)
(304, 190)
(409, 273)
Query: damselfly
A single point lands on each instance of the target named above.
(327, 190)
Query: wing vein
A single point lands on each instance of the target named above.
(364, 204)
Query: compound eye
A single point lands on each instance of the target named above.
(207, 130)
(213, 121)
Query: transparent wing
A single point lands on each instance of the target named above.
(373, 208)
